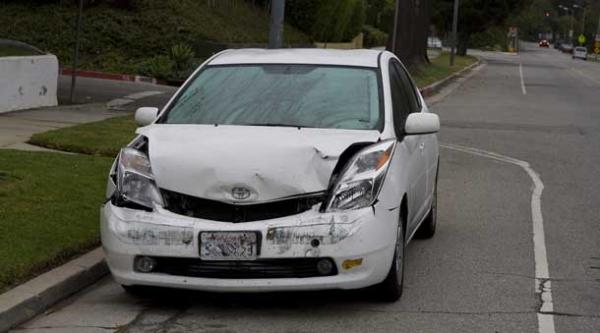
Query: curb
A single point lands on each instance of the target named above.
(435, 87)
(36, 295)
(110, 76)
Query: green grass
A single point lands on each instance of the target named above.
(106, 137)
(49, 210)
(440, 68)
(123, 41)
(102, 138)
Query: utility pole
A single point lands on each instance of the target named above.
(76, 52)
(454, 33)
(276, 28)
(395, 31)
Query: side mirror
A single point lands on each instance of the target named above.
(422, 123)
(146, 115)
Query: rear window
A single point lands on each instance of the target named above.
(581, 49)
(280, 95)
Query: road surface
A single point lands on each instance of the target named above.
(518, 241)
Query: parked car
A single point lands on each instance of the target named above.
(434, 43)
(566, 48)
(580, 52)
(544, 43)
(276, 170)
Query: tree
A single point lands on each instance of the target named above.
(411, 32)
(475, 16)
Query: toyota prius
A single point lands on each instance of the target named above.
(275, 170)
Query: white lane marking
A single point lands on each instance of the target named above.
(120, 102)
(543, 288)
(522, 79)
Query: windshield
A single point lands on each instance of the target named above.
(280, 95)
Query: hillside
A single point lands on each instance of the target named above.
(118, 40)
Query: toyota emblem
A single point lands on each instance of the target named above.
(240, 193)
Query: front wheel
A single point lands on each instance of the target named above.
(390, 290)
(427, 227)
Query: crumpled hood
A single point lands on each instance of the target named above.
(246, 164)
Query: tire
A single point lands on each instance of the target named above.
(390, 290)
(427, 227)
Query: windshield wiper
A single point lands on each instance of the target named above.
(276, 125)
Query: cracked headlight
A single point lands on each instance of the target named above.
(135, 182)
(359, 183)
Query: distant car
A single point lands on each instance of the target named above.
(544, 43)
(434, 43)
(580, 52)
(566, 48)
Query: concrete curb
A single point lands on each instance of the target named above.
(435, 87)
(110, 76)
(36, 295)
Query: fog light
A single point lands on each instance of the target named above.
(144, 264)
(324, 266)
(351, 263)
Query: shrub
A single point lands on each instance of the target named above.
(182, 58)
(160, 67)
(374, 37)
(327, 20)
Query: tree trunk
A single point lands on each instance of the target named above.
(404, 46)
(463, 44)
(422, 9)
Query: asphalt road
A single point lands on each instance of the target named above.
(478, 274)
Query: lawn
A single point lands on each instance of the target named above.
(105, 138)
(440, 68)
(102, 138)
(49, 210)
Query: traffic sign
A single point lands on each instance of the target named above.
(581, 39)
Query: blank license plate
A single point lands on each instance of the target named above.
(228, 245)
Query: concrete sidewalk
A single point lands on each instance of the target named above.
(17, 127)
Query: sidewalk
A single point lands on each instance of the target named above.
(17, 127)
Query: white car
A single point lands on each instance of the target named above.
(276, 170)
(580, 52)
(434, 43)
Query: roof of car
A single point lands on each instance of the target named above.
(359, 57)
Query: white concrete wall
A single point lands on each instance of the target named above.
(28, 82)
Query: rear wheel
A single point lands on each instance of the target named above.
(390, 290)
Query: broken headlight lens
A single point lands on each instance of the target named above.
(135, 182)
(359, 183)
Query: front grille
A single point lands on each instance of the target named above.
(188, 205)
(250, 269)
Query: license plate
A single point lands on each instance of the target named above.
(242, 245)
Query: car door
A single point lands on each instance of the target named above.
(429, 150)
(403, 103)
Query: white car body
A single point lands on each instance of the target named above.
(212, 162)
(434, 43)
(580, 52)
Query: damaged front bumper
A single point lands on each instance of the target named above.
(364, 238)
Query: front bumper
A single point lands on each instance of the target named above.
(367, 233)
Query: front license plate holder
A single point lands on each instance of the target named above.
(229, 245)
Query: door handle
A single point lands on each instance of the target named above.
(422, 146)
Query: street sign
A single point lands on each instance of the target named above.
(581, 39)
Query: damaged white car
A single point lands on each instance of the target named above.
(276, 170)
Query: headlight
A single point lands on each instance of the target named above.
(135, 182)
(359, 183)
